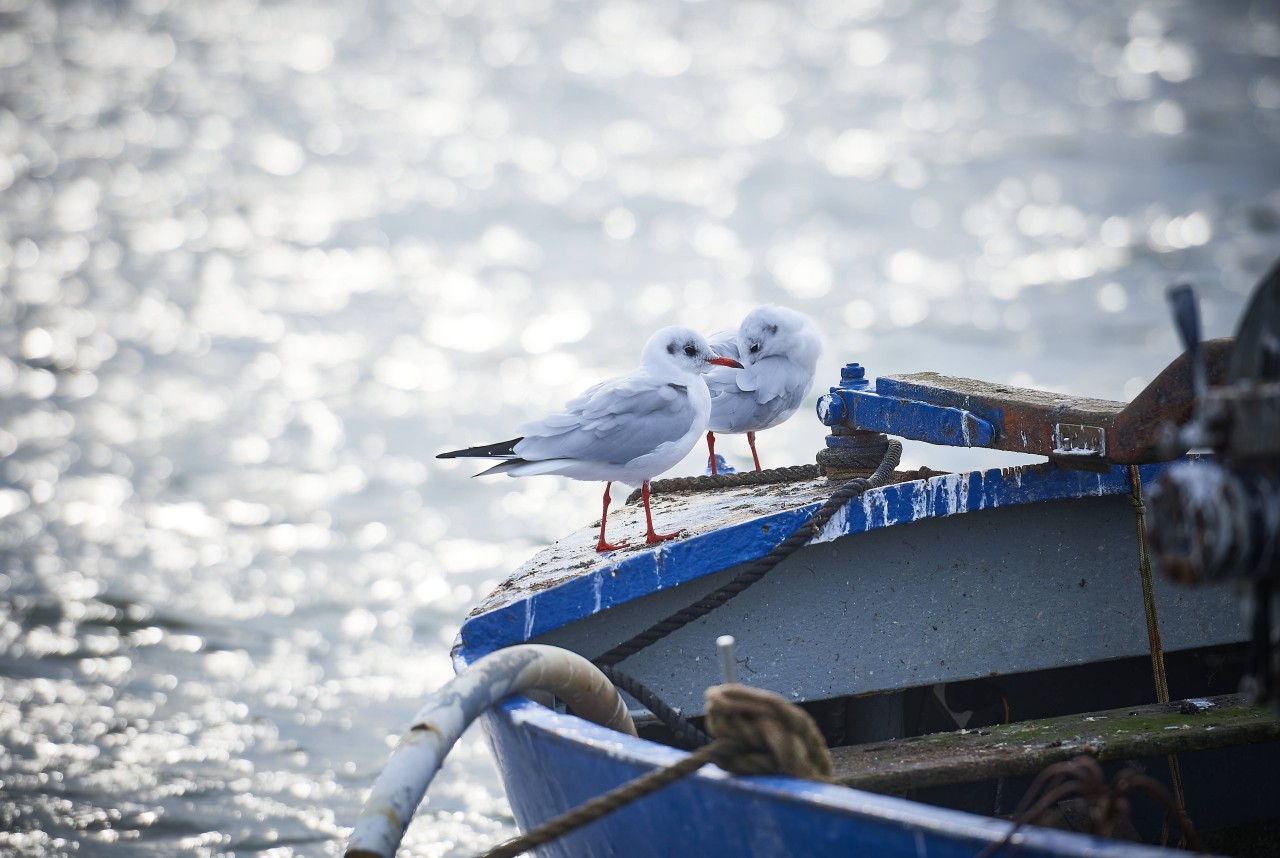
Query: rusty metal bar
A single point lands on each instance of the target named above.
(1072, 430)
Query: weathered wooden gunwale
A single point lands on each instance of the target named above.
(1026, 747)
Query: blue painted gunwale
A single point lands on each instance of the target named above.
(705, 814)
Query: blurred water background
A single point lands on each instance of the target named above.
(260, 261)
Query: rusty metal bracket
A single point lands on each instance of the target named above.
(1071, 430)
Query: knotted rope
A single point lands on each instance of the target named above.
(764, 734)
(757, 732)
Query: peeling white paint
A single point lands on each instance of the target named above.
(921, 497)
(959, 484)
(873, 503)
(837, 526)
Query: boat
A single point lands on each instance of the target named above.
(951, 635)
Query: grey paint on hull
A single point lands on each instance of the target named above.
(995, 591)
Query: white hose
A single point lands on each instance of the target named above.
(439, 724)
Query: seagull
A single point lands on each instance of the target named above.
(629, 428)
(779, 350)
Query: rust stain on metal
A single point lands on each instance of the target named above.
(1038, 422)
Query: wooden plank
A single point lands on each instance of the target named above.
(1027, 747)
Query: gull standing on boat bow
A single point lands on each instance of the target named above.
(779, 350)
(629, 428)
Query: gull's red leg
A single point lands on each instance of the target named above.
(751, 439)
(711, 450)
(601, 545)
(650, 536)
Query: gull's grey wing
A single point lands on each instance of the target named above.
(722, 378)
(615, 421)
(767, 392)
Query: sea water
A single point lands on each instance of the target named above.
(260, 261)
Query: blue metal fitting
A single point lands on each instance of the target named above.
(853, 376)
(853, 410)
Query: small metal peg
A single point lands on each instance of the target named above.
(1186, 318)
(728, 667)
(853, 376)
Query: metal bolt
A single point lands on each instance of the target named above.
(831, 409)
(853, 376)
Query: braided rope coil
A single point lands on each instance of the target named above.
(790, 474)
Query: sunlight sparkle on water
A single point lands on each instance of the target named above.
(258, 264)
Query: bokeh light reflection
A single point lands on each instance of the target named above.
(259, 262)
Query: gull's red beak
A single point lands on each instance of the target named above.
(724, 361)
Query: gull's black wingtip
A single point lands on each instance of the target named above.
(501, 450)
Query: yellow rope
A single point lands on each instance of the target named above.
(1153, 622)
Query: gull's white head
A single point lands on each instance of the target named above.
(770, 330)
(683, 349)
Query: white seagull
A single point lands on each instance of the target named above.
(629, 428)
(779, 350)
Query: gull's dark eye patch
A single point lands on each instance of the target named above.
(755, 347)
(690, 349)
(671, 348)
(772, 329)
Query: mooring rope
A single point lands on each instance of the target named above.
(789, 474)
(757, 732)
(684, 730)
(762, 566)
